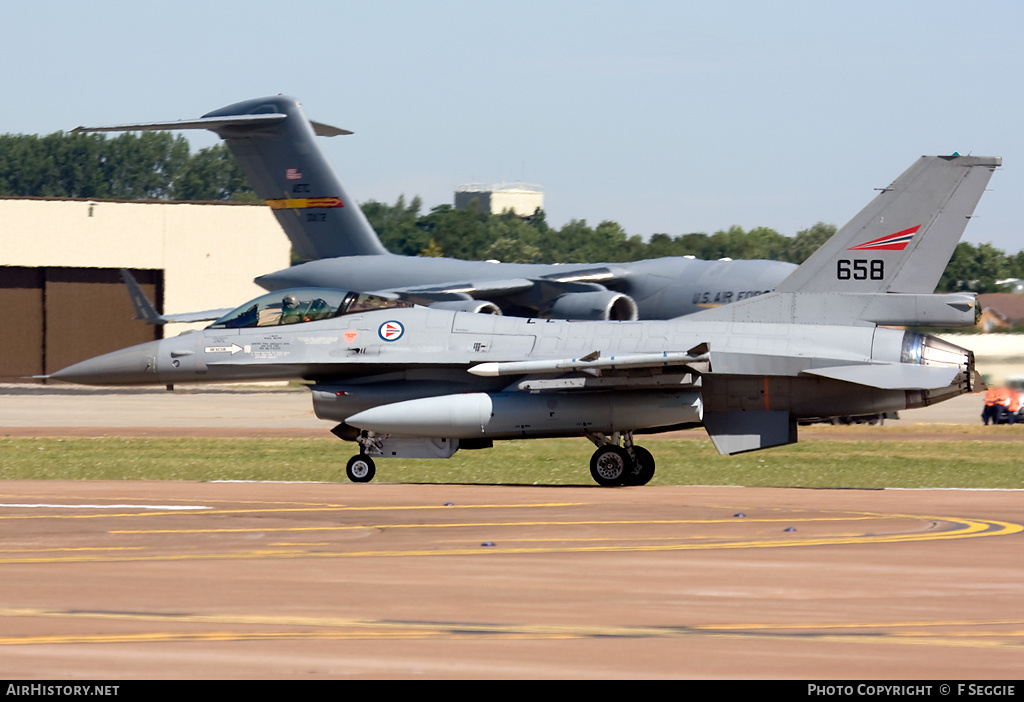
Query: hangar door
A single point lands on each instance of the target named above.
(54, 317)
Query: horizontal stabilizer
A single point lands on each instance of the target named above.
(891, 376)
(275, 145)
(894, 309)
(213, 124)
(739, 432)
(326, 130)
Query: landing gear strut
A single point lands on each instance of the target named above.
(360, 468)
(613, 465)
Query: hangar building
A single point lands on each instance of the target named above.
(63, 297)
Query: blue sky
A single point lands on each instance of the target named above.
(669, 117)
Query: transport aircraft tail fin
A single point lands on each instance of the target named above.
(275, 145)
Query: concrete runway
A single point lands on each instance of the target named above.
(122, 580)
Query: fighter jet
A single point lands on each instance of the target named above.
(275, 145)
(408, 381)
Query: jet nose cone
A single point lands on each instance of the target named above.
(135, 365)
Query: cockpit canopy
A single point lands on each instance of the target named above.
(302, 305)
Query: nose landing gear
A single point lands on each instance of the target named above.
(360, 469)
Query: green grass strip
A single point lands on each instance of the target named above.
(819, 462)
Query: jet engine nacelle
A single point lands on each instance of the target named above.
(600, 305)
(478, 306)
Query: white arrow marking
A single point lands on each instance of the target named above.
(233, 349)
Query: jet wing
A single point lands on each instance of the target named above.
(426, 294)
(700, 360)
(530, 293)
(552, 284)
(599, 274)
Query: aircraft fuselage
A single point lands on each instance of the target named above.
(362, 361)
(663, 288)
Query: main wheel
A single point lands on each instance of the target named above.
(360, 469)
(643, 471)
(609, 465)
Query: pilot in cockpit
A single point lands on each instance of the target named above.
(290, 310)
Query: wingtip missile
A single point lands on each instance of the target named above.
(486, 370)
(595, 362)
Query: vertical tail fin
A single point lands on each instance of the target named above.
(903, 240)
(882, 267)
(146, 312)
(144, 309)
(275, 145)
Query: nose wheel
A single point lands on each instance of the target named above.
(613, 465)
(360, 469)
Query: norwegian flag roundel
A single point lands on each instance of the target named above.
(391, 331)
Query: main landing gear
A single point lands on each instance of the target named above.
(613, 465)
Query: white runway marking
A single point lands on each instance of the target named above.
(162, 507)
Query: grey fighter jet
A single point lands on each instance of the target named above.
(276, 146)
(408, 381)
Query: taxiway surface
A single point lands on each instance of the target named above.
(121, 580)
(118, 580)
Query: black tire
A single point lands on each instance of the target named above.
(643, 471)
(609, 465)
(360, 469)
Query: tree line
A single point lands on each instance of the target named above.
(130, 166)
(475, 235)
(160, 166)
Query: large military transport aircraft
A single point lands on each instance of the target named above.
(275, 144)
(407, 381)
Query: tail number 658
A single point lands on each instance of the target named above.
(860, 269)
